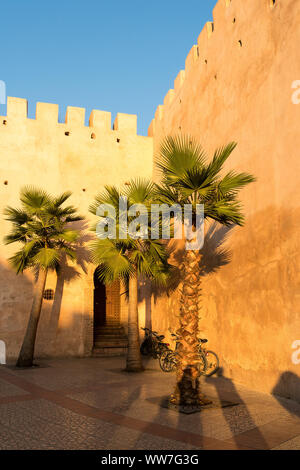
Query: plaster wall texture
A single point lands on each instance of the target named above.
(39, 152)
(237, 86)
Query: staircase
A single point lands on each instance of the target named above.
(110, 340)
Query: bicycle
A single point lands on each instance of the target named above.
(153, 344)
(207, 365)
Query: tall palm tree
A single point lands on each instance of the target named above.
(187, 177)
(130, 258)
(42, 228)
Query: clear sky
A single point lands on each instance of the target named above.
(114, 55)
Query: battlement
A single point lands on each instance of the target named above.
(17, 109)
(224, 17)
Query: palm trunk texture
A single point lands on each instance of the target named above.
(25, 358)
(187, 391)
(134, 360)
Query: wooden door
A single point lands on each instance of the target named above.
(113, 303)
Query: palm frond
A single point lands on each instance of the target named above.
(219, 158)
(59, 200)
(140, 191)
(233, 181)
(34, 199)
(114, 263)
(40, 226)
(19, 262)
(47, 257)
(178, 155)
(17, 216)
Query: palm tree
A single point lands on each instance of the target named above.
(130, 258)
(41, 227)
(187, 177)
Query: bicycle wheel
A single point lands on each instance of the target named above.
(212, 361)
(202, 364)
(167, 361)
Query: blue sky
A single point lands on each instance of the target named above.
(118, 56)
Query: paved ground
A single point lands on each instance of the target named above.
(92, 404)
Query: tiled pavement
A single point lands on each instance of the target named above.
(92, 404)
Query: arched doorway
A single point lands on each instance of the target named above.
(109, 336)
(106, 303)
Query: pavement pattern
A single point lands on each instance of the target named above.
(92, 403)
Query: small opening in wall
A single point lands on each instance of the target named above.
(234, 20)
(93, 136)
(205, 61)
(216, 77)
(5, 182)
(118, 141)
(240, 43)
(272, 2)
(83, 189)
(4, 122)
(67, 133)
(48, 294)
(179, 128)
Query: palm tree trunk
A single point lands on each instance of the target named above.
(25, 358)
(187, 391)
(134, 360)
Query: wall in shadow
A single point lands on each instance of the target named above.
(15, 302)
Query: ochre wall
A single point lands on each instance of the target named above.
(242, 91)
(229, 90)
(37, 152)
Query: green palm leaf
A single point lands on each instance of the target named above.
(40, 226)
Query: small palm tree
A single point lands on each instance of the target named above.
(189, 178)
(41, 227)
(130, 258)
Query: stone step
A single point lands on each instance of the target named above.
(106, 330)
(104, 351)
(110, 340)
(109, 327)
(102, 343)
(110, 336)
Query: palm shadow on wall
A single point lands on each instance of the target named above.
(68, 273)
(214, 256)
